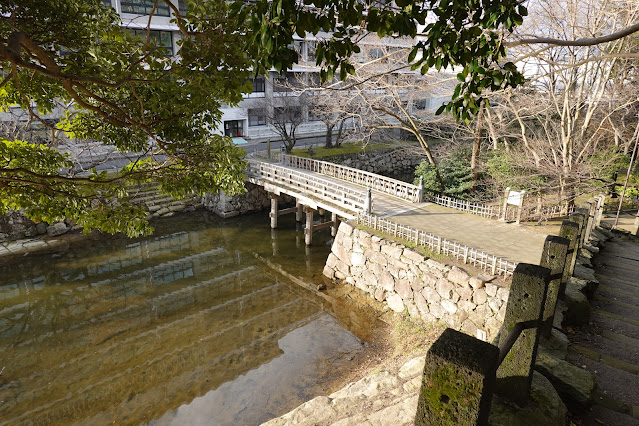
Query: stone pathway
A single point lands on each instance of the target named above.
(609, 349)
(380, 399)
(513, 242)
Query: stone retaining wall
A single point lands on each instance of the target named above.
(255, 199)
(408, 281)
(390, 162)
(15, 226)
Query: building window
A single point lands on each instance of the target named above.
(258, 85)
(144, 7)
(256, 117)
(285, 83)
(311, 46)
(234, 128)
(183, 7)
(162, 38)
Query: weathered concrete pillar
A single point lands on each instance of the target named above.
(298, 212)
(274, 243)
(335, 221)
(525, 304)
(553, 257)
(274, 210)
(458, 381)
(570, 230)
(308, 231)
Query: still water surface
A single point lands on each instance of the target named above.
(188, 326)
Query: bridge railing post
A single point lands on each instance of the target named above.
(554, 258)
(458, 381)
(526, 303)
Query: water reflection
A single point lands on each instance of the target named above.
(186, 326)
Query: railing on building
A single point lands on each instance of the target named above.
(493, 264)
(307, 185)
(386, 185)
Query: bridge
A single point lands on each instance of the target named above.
(394, 207)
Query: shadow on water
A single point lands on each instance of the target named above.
(185, 326)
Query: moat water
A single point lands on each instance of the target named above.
(193, 325)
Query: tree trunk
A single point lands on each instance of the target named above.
(474, 160)
(329, 136)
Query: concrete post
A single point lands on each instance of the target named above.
(601, 202)
(458, 381)
(308, 231)
(570, 230)
(553, 257)
(584, 221)
(299, 212)
(368, 203)
(525, 304)
(335, 221)
(420, 196)
(274, 210)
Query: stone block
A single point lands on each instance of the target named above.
(357, 259)
(402, 287)
(412, 309)
(577, 308)
(449, 306)
(587, 287)
(573, 384)
(494, 304)
(342, 253)
(445, 288)
(339, 275)
(465, 293)
(386, 281)
(328, 272)
(413, 256)
(479, 296)
(56, 229)
(436, 310)
(491, 289)
(393, 252)
(431, 295)
(555, 345)
(377, 257)
(466, 306)
(458, 381)
(380, 294)
(420, 302)
(454, 297)
(395, 302)
(503, 293)
(436, 265)
(417, 284)
(469, 327)
(475, 282)
(345, 229)
(458, 276)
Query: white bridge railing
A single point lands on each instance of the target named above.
(393, 187)
(308, 185)
(488, 262)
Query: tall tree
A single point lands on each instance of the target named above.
(124, 90)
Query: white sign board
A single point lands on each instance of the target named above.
(515, 198)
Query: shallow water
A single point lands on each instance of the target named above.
(188, 326)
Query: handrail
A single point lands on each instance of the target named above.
(393, 187)
(512, 337)
(348, 198)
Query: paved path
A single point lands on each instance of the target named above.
(609, 349)
(507, 240)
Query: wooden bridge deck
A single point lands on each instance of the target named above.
(319, 190)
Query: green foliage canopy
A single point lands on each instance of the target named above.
(125, 91)
(467, 34)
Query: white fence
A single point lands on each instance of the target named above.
(307, 185)
(393, 187)
(464, 205)
(487, 262)
(494, 211)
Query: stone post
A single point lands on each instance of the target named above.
(525, 304)
(420, 195)
(335, 221)
(570, 229)
(583, 221)
(274, 210)
(601, 202)
(368, 203)
(299, 211)
(458, 381)
(553, 257)
(308, 231)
